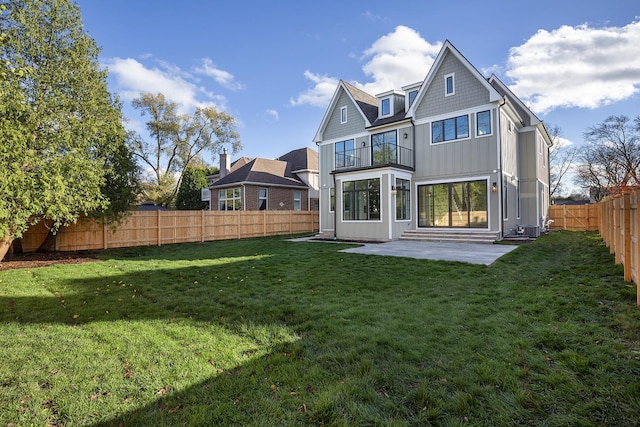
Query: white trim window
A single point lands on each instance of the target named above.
(262, 199)
(385, 107)
(230, 199)
(343, 114)
(483, 123)
(297, 200)
(450, 129)
(450, 84)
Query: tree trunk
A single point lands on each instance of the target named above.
(49, 244)
(5, 244)
(17, 246)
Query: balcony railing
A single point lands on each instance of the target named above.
(378, 155)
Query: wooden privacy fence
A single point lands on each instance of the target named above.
(619, 226)
(575, 217)
(142, 228)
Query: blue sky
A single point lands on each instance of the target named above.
(275, 65)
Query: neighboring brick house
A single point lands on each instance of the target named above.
(289, 182)
(455, 156)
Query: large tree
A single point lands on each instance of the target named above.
(176, 141)
(561, 157)
(610, 158)
(63, 144)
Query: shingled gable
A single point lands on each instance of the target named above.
(447, 47)
(366, 104)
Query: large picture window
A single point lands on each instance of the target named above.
(453, 204)
(230, 199)
(361, 199)
(450, 129)
(384, 148)
(345, 155)
(403, 199)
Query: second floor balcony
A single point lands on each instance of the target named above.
(375, 155)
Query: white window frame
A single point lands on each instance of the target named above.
(453, 84)
(390, 113)
(265, 198)
(297, 200)
(490, 123)
(343, 114)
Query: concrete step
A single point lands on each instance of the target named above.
(450, 236)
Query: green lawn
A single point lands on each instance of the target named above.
(272, 332)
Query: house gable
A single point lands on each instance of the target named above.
(469, 87)
(361, 110)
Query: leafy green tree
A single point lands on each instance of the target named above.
(61, 130)
(176, 142)
(189, 194)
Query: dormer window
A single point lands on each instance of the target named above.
(385, 107)
(412, 96)
(449, 84)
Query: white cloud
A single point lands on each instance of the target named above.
(576, 67)
(394, 60)
(397, 59)
(320, 94)
(132, 78)
(222, 77)
(274, 114)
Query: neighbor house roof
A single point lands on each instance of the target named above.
(302, 159)
(269, 172)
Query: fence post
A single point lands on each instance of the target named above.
(158, 228)
(202, 226)
(264, 222)
(627, 236)
(104, 235)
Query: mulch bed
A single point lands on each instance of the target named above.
(43, 259)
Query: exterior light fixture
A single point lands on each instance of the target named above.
(393, 190)
(494, 187)
(406, 135)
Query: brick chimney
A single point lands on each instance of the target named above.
(225, 163)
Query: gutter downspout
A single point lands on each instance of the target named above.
(335, 208)
(500, 179)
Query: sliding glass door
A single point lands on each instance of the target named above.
(453, 204)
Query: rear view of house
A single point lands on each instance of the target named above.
(454, 156)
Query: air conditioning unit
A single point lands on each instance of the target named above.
(532, 231)
(205, 194)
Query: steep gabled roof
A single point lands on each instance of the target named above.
(366, 105)
(447, 47)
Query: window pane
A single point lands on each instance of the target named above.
(449, 129)
(462, 125)
(449, 85)
(386, 107)
(437, 134)
(478, 204)
(484, 123)
(412, 96)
